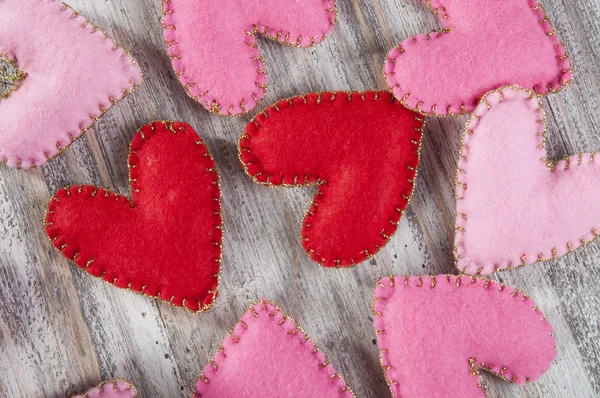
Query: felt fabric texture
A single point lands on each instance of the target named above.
(212, 44)
(117, 388)
(485, 44)
(360, 149)
(74, 74)
(436, 332)
(514, 206)
(166, 241)
(267, 355)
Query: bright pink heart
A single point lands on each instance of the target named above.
(117, 388)
(267, 355)
(514, 206)
(485, 44)
(436, 333)
(213, 46)
(74, 74)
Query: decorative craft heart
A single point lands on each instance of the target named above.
(74, 73)
(360, 149)
(117, 388)
(212, 45)
(485, 44)
(166, 241)
(436, 333)
(514, 206)
(267, 355)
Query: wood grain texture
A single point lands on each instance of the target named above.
(62, 331)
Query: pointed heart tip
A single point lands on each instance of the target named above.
(116, 388)
(268, 354)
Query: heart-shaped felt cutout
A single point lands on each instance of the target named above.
(267, 355)
(360, 149)
(166, 241)
(436, 333)
(514, 206)
(212, 45)
(74, 73)
(117, 388)
(485, 44)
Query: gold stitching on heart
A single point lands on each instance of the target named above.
(61, 147)
(11, 77)
(107, 193)
(318, 183)
(440, 12)
(215, 107)
(469, 279)
(304, 338)
(552, 165)
(113, 384)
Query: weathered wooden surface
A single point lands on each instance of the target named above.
(62, 330)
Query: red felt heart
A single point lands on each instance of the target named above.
(361, 149)
(166, 241)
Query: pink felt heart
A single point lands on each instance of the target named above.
(514, 206)
(213, 47)
(485, 44)
(267, 355)
(74, 73)
(117, 388)
(436, 333)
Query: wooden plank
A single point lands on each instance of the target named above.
(61, 330)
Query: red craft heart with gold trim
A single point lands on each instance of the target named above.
(166, 241)
(360, 149)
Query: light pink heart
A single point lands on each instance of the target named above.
(74, 74)
(436, 333)
(267, 355)
(213, 46)
(117, 388)
(515, 207)
(485, 44)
